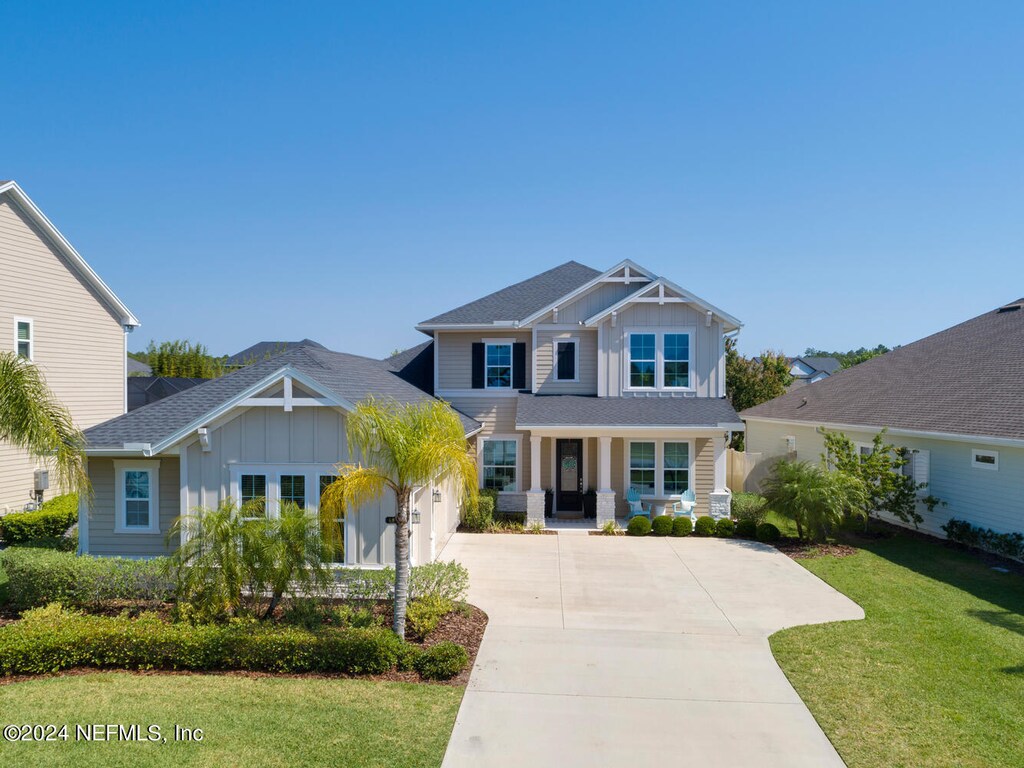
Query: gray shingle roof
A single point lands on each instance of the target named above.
(138, 367)
(967, 380)
(415, 365)
(827, 364)
(264, 350)
(520, 300)
(349, 377)
(583, 410)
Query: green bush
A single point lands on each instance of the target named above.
(408, 657)
(53, 638)
(768, 532)
(662, 525)
(746, 528)
(682, 526)
(442, 661)
(749, 506)
(4, 595)
(517, 519)
(50, 522)
(725, 528)
(425, 613)
(1006, 544)
(478, 514)
(449, 580)
(40, 576)
(705, 526)
(638, 526)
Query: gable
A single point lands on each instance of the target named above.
(800, 369)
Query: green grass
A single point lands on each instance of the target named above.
(785, 525)
(934, 676)
(246, 722)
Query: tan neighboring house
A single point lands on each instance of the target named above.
(58, 313)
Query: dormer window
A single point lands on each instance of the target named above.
(498, 371)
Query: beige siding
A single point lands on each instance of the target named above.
(78, 342)
(498, 417)
(455, 355)
(703, 472)
(586, 371)
(102, 539)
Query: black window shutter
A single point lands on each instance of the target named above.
(566, 360)
(518, 366)
(478, 365)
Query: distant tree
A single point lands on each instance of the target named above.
(142, 357)
(183, 359)
(851, 357)
(752, 381)
(396, 351)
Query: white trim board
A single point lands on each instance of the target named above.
(950, 436)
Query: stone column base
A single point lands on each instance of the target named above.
(605, 507)
(720, 504)
(534, 507)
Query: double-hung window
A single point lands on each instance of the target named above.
(498, 366)
(675, 364)
(499, 464)
(136, 497)
(658, 359)
(565, 359)
(659, 467)
(293, 490)
(23, 338)
(676, 478)
(642, 467)
(642, 360)
(253, 496)
(332, 528)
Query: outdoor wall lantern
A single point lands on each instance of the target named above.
(437, 496)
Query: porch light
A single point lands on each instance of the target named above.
(436, 496)
(415, 517)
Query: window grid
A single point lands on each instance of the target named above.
(499, 465)
(254, 495)
(498, 366)
(676, 478)
(293, 490)
(23, 333)
(136, 498)
(642, 468)
(642, 359)
(676, 368)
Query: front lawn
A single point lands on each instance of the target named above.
(934, 676)
(259, 721)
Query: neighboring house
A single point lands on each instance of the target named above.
(137, 367)
(808, 370)
(273, 429)
(143, 390)
(264, 350)
(955, 399)
(58, 313)
(597, 381)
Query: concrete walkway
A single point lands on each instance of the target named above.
(636, 652)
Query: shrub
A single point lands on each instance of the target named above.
(749, 506)
(768, 532)
(725, 528)
(50, 522)
(515, 519)
(53, 638)
(408, 657)
(478, 513)
(1005, 544)
(746, 528)
(662, 525)
(638, 526)
(40, 576)
(705, 526)
(442, 661)
(682, 526)
(611, 528)
(425, 613)
(444, 580)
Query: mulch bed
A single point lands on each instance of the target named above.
(801, 550)
(514, 532)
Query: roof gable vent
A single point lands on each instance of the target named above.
(1013, 306)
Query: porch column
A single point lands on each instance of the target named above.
(535, 496)
(720, 499)
(605, 494)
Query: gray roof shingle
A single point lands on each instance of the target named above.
(349, 377)
(966, 380)
(264, 350)
(584, 410)
(520, 300)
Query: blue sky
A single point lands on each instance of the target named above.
(834, 174)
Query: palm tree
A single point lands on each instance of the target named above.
(400, 447)
(813, 497)
(32, 419)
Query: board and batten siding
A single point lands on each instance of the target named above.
(586, 370)
(707, 348)
(589, 304)
(455, 355)
(78, 341)
(102, 539)
(987, 498)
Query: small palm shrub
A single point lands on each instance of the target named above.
(768, 532)
(705, 526)
(746, 528)
(662, 525)
(442, 661)
(725, 528)
(815, 498)
(611, 528)
(638, 526)
(682, 526)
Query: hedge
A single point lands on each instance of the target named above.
(442, 661)
(662, 525)
(768, 532)
(1005, 544)
(37, 577)
(50, 522)
(705, 526)
(53, 638)
(682, 526)
(725, 528)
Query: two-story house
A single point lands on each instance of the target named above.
(588, 380)
(572, 380)
(56, 312)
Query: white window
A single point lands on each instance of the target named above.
(498, 365)
(252, 497)
(23, 341)
(499, 464)
(659, 359)
(981, 459)
(137, 497)
(659, 468)
(335, 552)
(566, 359)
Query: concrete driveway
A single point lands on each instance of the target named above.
(619, 651)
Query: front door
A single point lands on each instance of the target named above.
(570, 475)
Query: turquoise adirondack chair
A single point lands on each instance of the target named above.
(636, 507)
(685, 505)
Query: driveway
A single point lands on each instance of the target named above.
(606, 651)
